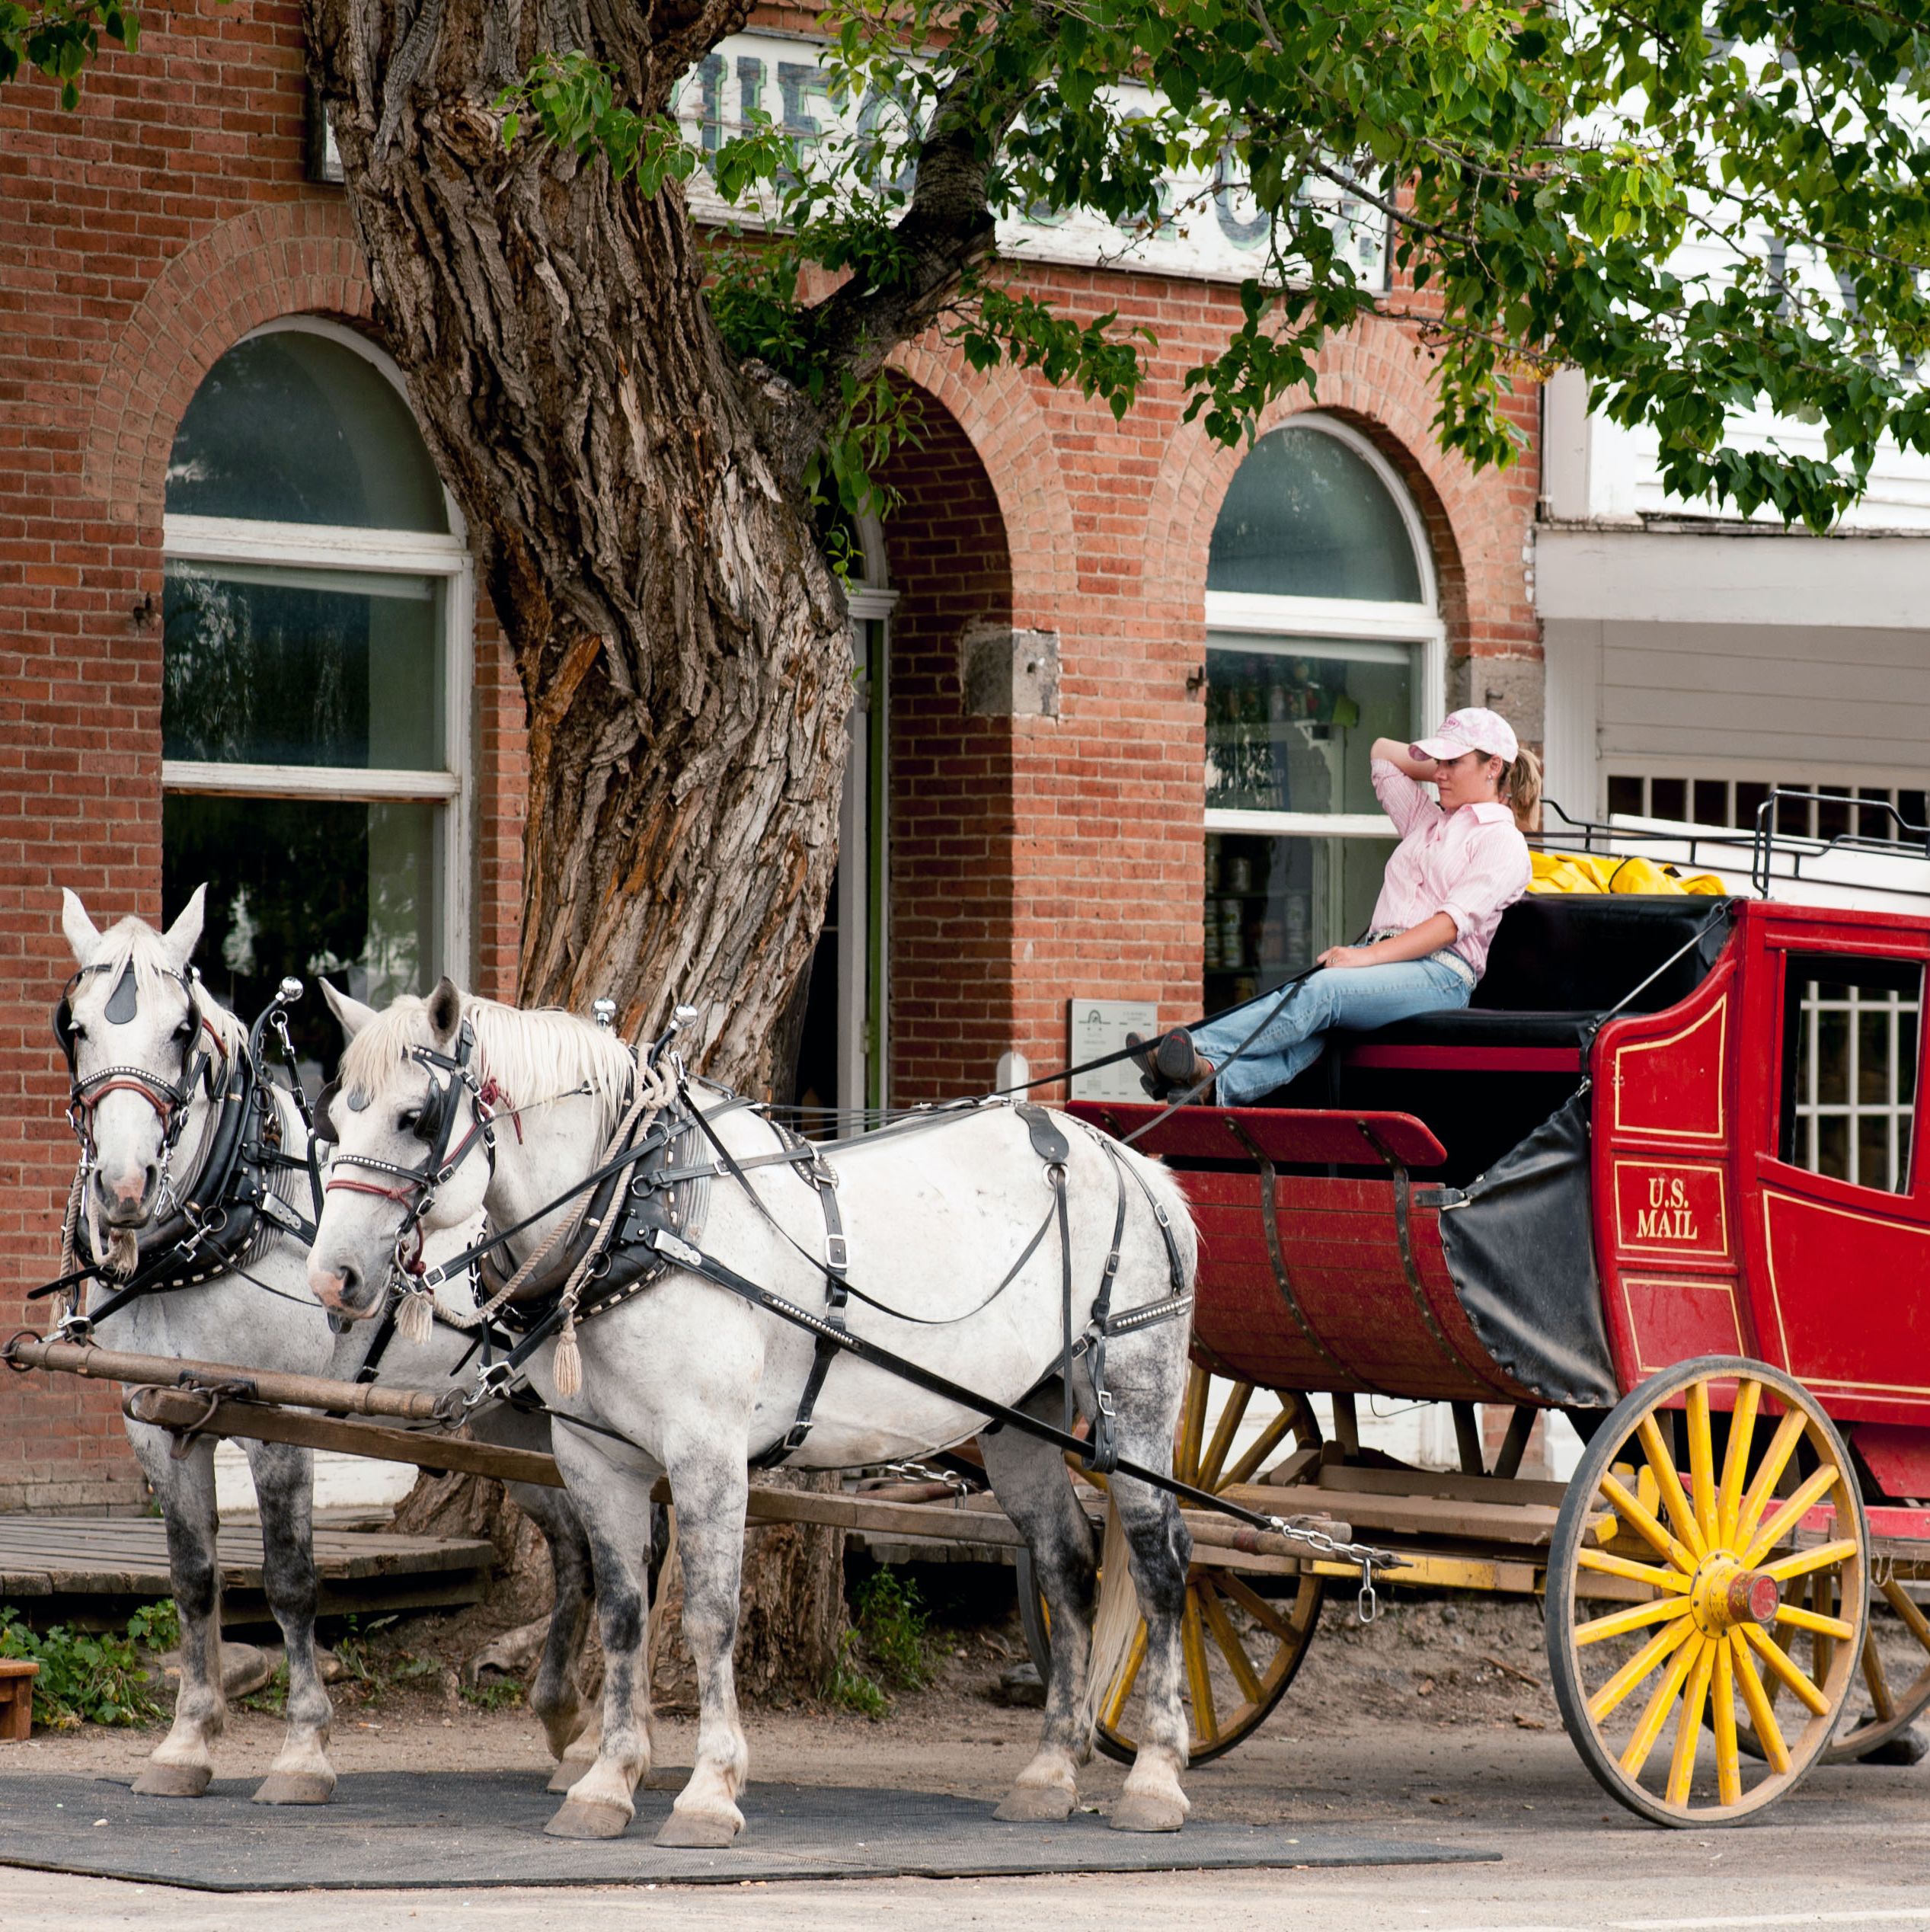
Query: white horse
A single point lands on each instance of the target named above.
(696, 1382)
(137, 1024)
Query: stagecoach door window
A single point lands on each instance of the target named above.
(1322, 635)
(317, 628)
(1851, 1030)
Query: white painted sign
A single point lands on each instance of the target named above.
(1098, 1027)
(1207, 226)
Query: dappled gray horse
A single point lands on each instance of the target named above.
(698, 1383)
(155, 1063)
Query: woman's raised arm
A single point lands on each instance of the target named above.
(1391, 751)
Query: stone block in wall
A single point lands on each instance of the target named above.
(1004, 673)
(1516, 687)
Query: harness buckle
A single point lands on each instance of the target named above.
(837, 1253)
(493, 1382)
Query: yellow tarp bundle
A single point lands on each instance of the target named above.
(1587, 872)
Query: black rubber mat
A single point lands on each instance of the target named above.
(389, 1829)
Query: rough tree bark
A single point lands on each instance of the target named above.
(634, 499)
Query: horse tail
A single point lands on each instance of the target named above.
(1115, 1620)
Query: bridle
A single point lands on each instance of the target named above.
(435, 1126)
(169, 1099)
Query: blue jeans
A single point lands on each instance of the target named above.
(1360, 997)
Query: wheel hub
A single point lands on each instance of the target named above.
(1724, 1594)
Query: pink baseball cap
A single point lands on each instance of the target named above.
(1472, 730)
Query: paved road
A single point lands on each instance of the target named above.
(1851, 1849)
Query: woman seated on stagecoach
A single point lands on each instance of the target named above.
(1460, 864)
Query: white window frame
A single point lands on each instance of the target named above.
(1898, 1112)
(864, 846)
(1343, 619)
(219, 540)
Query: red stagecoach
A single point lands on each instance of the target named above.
(1661, 1176)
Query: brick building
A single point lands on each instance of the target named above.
(1120, 682)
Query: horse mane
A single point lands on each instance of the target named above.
(131, 942)
(531, 1056)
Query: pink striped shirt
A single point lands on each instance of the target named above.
(1471, 864)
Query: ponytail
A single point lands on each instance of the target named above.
(1521, 785)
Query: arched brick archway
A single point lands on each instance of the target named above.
(1373, 381)
(286, 258)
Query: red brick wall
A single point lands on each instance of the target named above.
(146, 234)
(951, 776)
(1033, 857)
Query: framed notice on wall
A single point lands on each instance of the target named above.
(1098, 1027)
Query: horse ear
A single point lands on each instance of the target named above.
(445, 1009)
(82, 934)
(185, 934)
(352, 1014)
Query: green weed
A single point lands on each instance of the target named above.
(89, 1679)
(892, 1621)
(850, 1687)
(503, 1694)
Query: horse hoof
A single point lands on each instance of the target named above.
(587, 1817)
(1143, 1811)
(295, 1788)
(1036, 1804)
(565, 1776)
(173, 1780)
(697, 1831)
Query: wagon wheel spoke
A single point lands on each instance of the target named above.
(1192, 1425)
(1619, 1622)
(1662, 1462)
(1256, 1606)
(1655, 1714)
(1114, 1707)
(1233, 1413)
(1768, 1473)
(1881, 1700)
(1895, 1702)
(1288, 1421)
(1702, 1460)
(1728, 1756)
(1809, 1492)
(1768, 1734)
(1206, 1718)
(1718, 1613)
(1623, 1503)
(1735, 1464)
(1227, 1639)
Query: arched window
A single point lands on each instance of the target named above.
(1322, 635)
(318, 625)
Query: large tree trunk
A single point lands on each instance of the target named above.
(632, 498)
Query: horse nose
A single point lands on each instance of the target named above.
(128, 1191)
(332, 1289)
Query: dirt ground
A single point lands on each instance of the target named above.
(1471, 1667)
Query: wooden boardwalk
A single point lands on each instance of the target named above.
(94, 1567)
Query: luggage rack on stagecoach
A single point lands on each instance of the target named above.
(1768, 854)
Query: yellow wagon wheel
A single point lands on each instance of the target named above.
(1242, 1645)
(1676, 1592)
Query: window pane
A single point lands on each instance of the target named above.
(1850, 1068)
(1625, 796)
(276, 667)
(1306, 516)
(295, 428)
(1290, 723)
(295, 886)
(1272, 905)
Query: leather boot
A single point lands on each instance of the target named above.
(1179, 1064)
